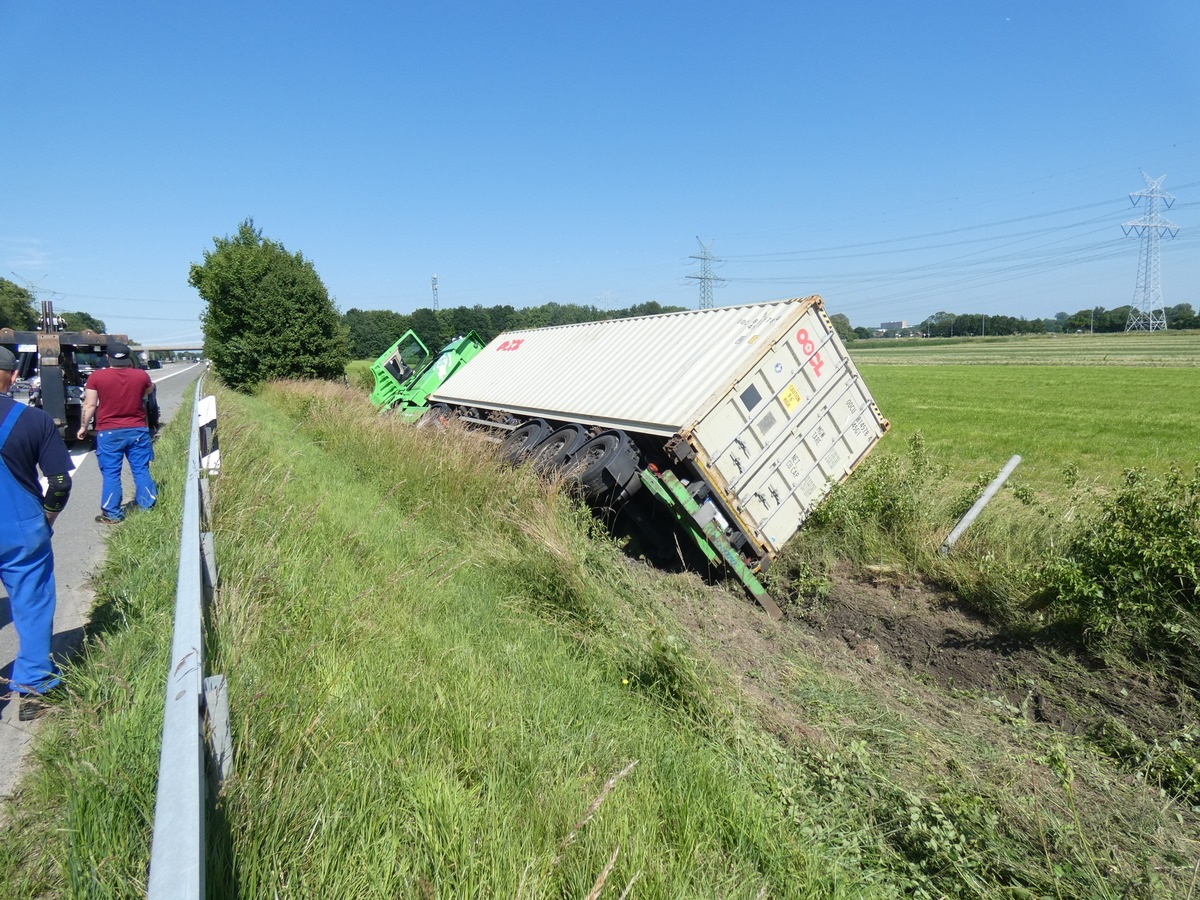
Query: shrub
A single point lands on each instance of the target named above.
(1130, 578)
(889, 511)
(268, 314)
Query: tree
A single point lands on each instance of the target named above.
(940, 324)
(649, 308)
(841, 324)
(429, 328)
(17, 310)
(372, 331)
(1182, 316)
(268, 313)
(79, 321)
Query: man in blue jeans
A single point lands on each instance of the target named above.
(116, 396)
(29, 440)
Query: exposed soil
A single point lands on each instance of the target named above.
(895, 628)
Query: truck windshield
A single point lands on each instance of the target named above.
(407, 358)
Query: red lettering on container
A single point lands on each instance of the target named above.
(809, 349)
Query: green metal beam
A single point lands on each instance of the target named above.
(709, 538)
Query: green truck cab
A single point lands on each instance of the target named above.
(407, 373)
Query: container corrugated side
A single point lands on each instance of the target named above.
(780, 436)
(650, 374)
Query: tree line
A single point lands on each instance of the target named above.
(372, 331)
(1097, 319)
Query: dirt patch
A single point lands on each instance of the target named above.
(892, 628)
(929, 635)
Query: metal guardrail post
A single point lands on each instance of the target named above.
(177, 850)
(977, 507)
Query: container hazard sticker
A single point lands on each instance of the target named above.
(791, 398)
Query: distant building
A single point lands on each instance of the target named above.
(893, 326)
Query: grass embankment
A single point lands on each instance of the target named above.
(445, 683)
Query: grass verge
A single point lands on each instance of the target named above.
(446, 683)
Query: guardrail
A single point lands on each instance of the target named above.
(194, 704)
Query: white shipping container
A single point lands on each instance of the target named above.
(763, 399)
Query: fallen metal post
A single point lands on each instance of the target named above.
(977, 508)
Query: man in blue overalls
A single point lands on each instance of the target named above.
(29, 440)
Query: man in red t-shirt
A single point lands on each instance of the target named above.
(116, 396)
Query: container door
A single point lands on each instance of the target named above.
(794, 425)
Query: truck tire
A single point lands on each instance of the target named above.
(556, 448)
(436, 416)
(606, 468)
(517, 446)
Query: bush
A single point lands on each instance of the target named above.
(1129, 580)
(890, 502)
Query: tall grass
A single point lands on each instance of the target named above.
(445, 682)
(439, 674)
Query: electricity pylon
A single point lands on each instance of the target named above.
(1148, 313)
(706, 276)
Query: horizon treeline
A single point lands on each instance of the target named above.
(1096, 319)
(372, 331)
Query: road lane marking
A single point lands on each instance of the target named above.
(173, 374)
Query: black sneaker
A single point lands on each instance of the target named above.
(108, 520)
(34, 706)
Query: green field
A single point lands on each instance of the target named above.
(1160, 348)
(1101, 420)
(1100, 403)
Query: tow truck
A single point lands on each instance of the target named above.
(54, 365)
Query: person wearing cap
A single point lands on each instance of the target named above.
(116, 396)
(29, 440)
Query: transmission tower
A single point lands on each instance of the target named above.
(435, 300)
(1148, 313)
(706, 276)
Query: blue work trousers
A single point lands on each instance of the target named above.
(112, 448)
(27, 570)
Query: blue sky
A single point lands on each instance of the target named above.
(898, 159)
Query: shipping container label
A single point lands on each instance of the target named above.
(791, 398)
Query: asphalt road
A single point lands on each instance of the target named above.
(78, 555)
